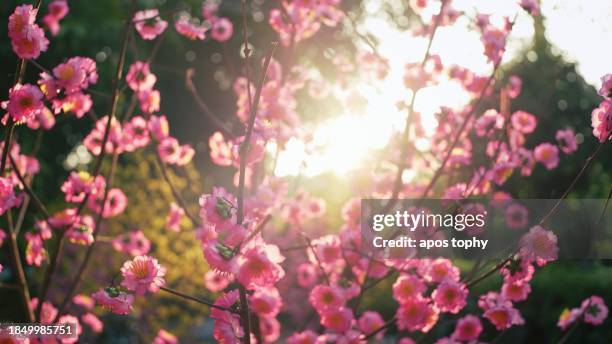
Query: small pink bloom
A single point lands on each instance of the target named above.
(114, 300)
(547, 154)
(306, 337)
(173, 220)
(80, 184)
(266, 302)
(539, 245)
(514, 86)
(567, 317)
(370, 322)
(57, 11)
(159, 128)
(499, 311)
(48, 311)
(81, 231)
(306, 275)
(518, 270)
(439, 270)
(143, 274)
(606, 86)
(227, 327)
(567, 140)
(20, 22)
(149, 100)
(259, 267)
(601, 120)
(25, 102)
(416, 314)
(216, 282)
(468, 328)
(221, 151)
(169, 150)
(134, 243)
(93, 141)
(135, 134)
(517, 216)
(76, 74)
(516, 291)
(531, 6)
(72, 320)
(165, 337)
(148, 24)
(186, 27)
(408, 287)
(139, 77)
(488, 122)
(84, 301)
(323, 298)
(406, 340)
(524, 122)
(222, 29)
(116, 202)
(595, 310)
(337, 319)
(450, 296)
(218, 208)
(8, 199)
(77, 103)
(95, 324)
(30, 45)
(35, 251)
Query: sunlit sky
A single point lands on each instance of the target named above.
(580, 29)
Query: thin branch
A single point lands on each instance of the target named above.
(196, 299)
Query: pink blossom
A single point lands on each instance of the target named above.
(25, 102)
(567, 317)
(80, 184)
(169, 150)
(306, 275)
(266, 302)
(31, 44)
(450, 296)
(337, 319)
(8, 199)
(76, 74)
(35, 251)
(222, 29)
(408, 287)
(494, 41)
(488, 122)
(81, 231)
(501, 172)
(517, 216)
(186, 27)
(134, 243)
(606, 86)
(77, 103)
(539, 245)
(499, 311)
(83, 301)
(72, 320)
(514, 86)
(139, 77)
(416, 314)
(48, 312)
(259, 267)
(148, 24)
(135, 134)
(95, 324)
(323, 297)
(143, 274)
(227, 329)
(371, 321)
(114, 300)
(149, 100)
(305, 337)
(601, 120)
(567, 140)
(595, 310)
(93, 141)
(115, 204)
(524, 122)
(216, 282)
(531, 6)
(439, 270)
(165, 337)
(327, 250)
(467, 329)
(159, 128)
(516, 291)
(218, 208)
(221, 151)
(547, 154)
(173, 220)
(518, 270)
(21, 21)
(406, 340)
(57, 11)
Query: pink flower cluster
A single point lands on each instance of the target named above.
(27, 38)
(592, 311)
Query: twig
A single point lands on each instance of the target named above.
(196, 299)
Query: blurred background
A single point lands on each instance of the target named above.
(560, 57)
